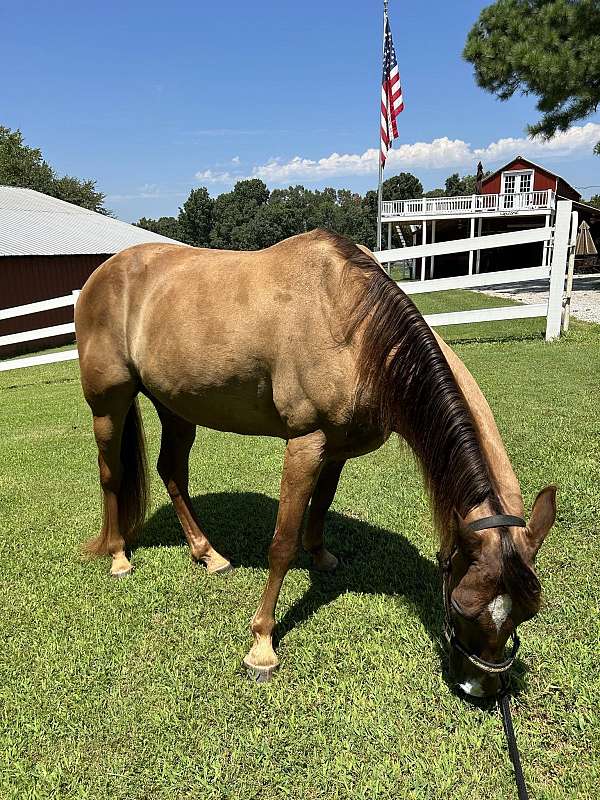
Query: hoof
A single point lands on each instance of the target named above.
(259, 674)
(122, 574)
(325, 562)
(222, 570)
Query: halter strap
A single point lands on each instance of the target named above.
(497, 521)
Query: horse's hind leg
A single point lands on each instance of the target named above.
(322, 498)
(122, 467)
(304, 458)
(173, 467)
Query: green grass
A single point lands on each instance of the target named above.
(132, 689)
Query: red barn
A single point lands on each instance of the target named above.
(48, 248)
(520, 176)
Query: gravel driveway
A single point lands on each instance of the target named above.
(585, 299)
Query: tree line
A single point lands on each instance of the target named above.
(24, 166)
(251, 217)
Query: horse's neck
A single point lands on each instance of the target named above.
(501, 471)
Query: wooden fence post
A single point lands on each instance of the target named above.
(560, 251)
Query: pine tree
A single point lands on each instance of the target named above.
(547, 48)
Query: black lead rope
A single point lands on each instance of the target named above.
(502, 669)
(513, 750)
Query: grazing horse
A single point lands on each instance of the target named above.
(309, 341)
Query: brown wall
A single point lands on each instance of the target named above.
(27, 279)
(564, 190)
(541, 180)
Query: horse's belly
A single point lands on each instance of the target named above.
(238, 406)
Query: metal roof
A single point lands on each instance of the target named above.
(34, 224)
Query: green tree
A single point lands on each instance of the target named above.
(165, 226)
(81, 193)
(547, 48)
(404, 186)
(594, 201)
(24, 166)
(236, 222)
(195, 218)
(455, 185)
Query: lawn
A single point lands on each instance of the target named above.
(132, 689)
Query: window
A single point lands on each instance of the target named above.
(514, 185)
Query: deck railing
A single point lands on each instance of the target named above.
(469, 204)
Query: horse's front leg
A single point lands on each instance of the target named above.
(320, 502)
(304, 458)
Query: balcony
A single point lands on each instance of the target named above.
(475, 205)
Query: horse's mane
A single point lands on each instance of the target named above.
(403, 368)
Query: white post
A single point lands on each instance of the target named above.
(478, 259)
(389, 235)
(432, 242)
(572, 244)
(562, 230)
(472, 235)
(424, 241)
(546, 245)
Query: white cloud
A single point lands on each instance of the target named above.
(439, 154)
(235, 160)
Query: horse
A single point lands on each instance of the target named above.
(309, 341)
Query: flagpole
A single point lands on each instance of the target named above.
(379, 185)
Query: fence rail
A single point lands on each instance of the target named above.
(560, 238)
(39, 333)
(421, 207)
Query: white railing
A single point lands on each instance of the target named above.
(38, 333)
(561, 239)
(469, 204)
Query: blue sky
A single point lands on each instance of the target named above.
(151, 99)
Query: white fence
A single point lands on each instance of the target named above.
(541, 201)
(38, 333)
(560, 239)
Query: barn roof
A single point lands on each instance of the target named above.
(32, 223)
(533, 164)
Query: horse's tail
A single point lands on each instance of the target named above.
(133, 492)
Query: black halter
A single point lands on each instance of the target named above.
(502, 668)
(492, 668)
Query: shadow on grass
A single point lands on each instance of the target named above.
(372, 560)
(492, 339)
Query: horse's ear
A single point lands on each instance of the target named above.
(542, 518)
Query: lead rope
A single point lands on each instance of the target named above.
(513, 750)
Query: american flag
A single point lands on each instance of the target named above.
(391, 94)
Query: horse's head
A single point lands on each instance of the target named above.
(490, 588)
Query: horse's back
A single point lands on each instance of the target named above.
(221, 336)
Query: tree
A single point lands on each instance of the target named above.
(455, 185)
(594, 201)
(404, 186)
(24, 166)
(548, 48)
(195, 218)
(165, 226)
(236, 224)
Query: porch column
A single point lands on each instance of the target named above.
(546, 245)
(424, 241)
(472, 235)
(478, 259)
(389, 236)
(432, 242)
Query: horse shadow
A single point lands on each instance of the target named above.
(372, 560)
